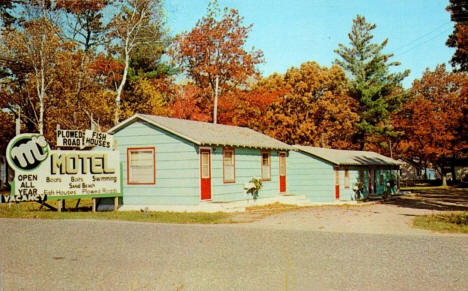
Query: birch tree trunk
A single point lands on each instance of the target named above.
(135, 16)
(121, 86)
(40, 84)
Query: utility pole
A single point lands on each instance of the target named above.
(215, 113)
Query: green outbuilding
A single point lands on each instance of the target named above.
(330, 175)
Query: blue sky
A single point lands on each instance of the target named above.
(292, 32)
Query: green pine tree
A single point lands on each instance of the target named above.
(458, 39)
(371, 83)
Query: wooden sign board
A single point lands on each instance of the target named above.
(81, 139)
(102, 139)
(43, 174)
(70, 138)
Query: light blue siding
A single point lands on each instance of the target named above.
(315, 178)
(310, 176)
(247, 166)
(177, 167)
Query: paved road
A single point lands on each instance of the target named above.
(103, 255)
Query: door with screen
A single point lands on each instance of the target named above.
(205, 174)
(282, 172)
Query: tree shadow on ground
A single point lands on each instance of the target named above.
(439, 199)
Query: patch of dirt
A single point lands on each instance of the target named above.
(375, 218)
(390, 217)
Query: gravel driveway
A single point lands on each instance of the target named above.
(392, 217)
(369, 218)
(105, 255)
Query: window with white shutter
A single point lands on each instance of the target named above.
(266, 166)
(346, 178)
(229, 168)
(141, 166)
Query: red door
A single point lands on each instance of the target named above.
(282, 172)
(337, 183)
(205, 174)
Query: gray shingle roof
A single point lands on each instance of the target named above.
(203, 133)
(349, 158)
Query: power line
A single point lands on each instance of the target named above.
(419, 44)
(410, 43)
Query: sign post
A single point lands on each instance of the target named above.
(59, 142)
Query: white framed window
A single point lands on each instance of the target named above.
(205, 166)
(266, 166)
(346, 178)
(229, 166)
(141, 166)
(282, 163)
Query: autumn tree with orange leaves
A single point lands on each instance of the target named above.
(62, 62)
(7, 128)
(85, 27)
(47, 70)
(434, 122)
(35, 44)
(315, 109)
(187, 103)
(214, 49)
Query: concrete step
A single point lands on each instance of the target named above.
(299, 200)
(213, 206)
(234, 206)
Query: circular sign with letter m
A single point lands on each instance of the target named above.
(27, 151)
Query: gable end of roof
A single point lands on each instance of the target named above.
(141, 117)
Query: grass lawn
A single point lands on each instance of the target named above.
(449, 199)
(446, 222)
(273, 208)
(32, 210)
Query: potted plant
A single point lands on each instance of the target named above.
(253, 187)
(358, 189)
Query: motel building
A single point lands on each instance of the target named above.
(172, 164)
